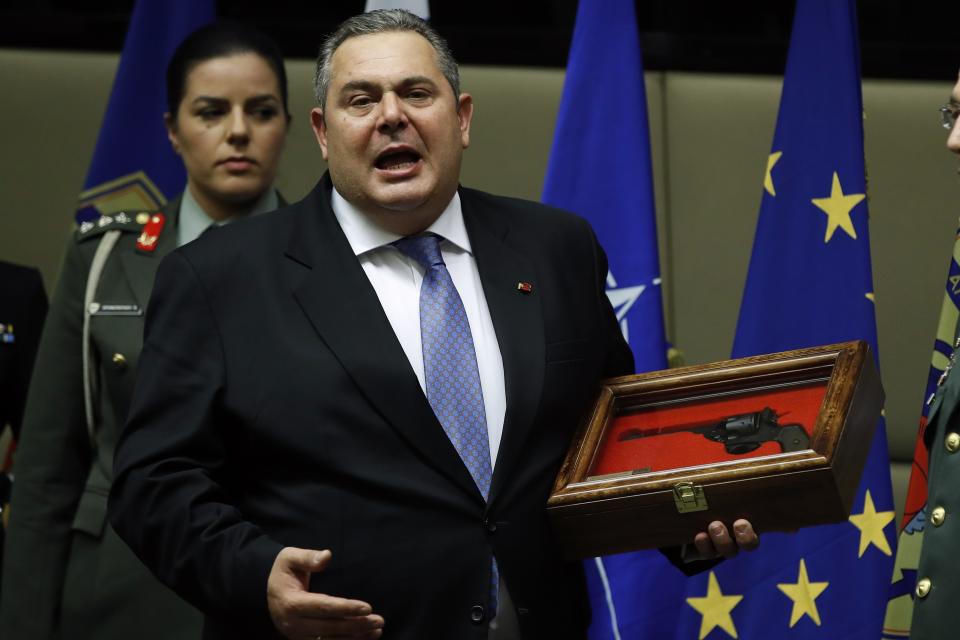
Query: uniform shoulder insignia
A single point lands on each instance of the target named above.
(152, 228)
(121, 221)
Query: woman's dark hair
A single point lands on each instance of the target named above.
(218, 40)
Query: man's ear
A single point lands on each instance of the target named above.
(465, 115)
(319, 126)
(171, 124)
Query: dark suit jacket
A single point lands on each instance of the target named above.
(23, 308)
(23, 305)
(274, 407)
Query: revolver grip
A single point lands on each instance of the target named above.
(792, 437)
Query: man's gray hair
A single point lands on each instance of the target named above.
(383, 21)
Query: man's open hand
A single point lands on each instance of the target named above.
(297, 613)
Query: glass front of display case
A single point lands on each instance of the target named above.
(702, 431)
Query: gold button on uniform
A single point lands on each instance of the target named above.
(923, 587)
(143, 217)
(937, 516)
(952, 442)
(119, 360)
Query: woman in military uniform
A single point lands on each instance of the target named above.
(65, 572)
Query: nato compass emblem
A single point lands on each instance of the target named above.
(623, 298)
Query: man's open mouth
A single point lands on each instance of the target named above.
(397, 160)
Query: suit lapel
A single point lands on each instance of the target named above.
(141, 267)
(342, 306)
(518, 322)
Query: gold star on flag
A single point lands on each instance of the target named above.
(871, 524)
(869, 296)
(838, 207)
(804, 595)
(715, 608)
(768, 178)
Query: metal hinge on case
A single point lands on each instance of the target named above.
(689, 497)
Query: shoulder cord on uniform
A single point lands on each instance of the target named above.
(93, 279)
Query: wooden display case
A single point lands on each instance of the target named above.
(778, 439)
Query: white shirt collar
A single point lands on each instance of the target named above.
(364, 235)
(193, 220)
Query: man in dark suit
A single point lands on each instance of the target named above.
(348, 416)
(23, 309)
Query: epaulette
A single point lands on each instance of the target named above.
(121, 220)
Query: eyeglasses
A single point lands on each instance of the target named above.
(949, 113)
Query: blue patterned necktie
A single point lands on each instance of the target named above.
(450, 364)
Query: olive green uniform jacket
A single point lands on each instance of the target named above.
(938, 574)
(66, 574)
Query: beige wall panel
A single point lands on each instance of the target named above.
(514, 114)
(719, 130)
(53, 103)
(302, 162)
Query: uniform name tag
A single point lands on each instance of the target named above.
(100, 309)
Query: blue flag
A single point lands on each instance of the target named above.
(133, 165)
(810, 283)
(600, 168)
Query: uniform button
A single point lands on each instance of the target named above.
(490, 525)
(923, 587)
(937, 516)
(119, 360)
(477, 614)
(952, 442)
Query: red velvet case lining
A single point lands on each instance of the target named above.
(679, 448)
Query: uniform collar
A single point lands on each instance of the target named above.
(194, 220)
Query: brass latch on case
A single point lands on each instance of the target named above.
(689, 497)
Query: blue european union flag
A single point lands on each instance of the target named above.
(810, 283)
(600, 167)
(133, 166)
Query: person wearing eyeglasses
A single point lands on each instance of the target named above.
(938, 581)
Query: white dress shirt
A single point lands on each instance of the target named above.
(396, 279)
